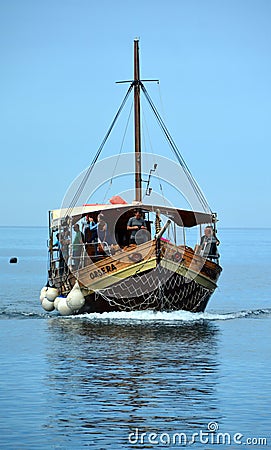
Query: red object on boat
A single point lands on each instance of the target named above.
(117, 200)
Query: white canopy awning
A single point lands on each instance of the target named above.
(181, 217)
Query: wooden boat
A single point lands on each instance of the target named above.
(156, 271)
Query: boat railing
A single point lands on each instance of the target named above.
(78, 256)
(199, 252)
(85, 254)
(58, 263)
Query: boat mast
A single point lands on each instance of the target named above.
(138, 187)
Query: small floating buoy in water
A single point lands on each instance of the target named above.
(13, 260)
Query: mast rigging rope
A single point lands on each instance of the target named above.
(89, 170)
(170, 140)
(176, 151)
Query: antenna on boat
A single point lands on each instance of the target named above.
(148, 188)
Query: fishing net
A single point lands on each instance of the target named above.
(156, 290)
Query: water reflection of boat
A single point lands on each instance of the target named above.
(106, 272)
(123, 375)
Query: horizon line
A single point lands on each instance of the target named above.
(190, 228)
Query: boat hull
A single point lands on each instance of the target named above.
(157, 290)
(181, 280)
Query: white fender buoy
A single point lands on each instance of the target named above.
(47, 305)
(43, 293)
(51, 294)
(75, 299)
(63, 307)
(56, 302)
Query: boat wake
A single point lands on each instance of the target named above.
(7, 314)
(141, 316)
(168, 317)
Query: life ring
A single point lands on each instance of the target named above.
(136, 257)
(177, 257)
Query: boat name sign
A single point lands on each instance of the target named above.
(102, 271)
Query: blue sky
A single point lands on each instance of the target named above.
(60, 60)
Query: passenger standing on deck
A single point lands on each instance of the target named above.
(58, 244)
(135, 224)
(93, 227)
(90, 229)
(209, 243)
(101, 228)
(101, 233)
(65, 242)
(77, 246)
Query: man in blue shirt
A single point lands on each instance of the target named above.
(90, 230)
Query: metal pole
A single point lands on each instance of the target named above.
(158, 241)
(184, 242)
(175, 233)
(162, 231)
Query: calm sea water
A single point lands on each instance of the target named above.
(126, 381)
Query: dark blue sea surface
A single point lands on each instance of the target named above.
(142, 379)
